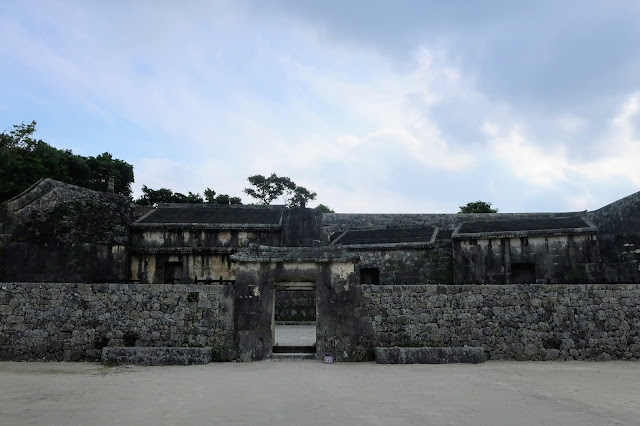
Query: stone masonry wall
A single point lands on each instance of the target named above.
(557, 259)
(521, 322)
(73, 322)
(295, 305)
(77, 263)
(411, 266)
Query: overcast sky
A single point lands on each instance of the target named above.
(377, 105)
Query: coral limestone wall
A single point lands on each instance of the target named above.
(522, 322)
(74, 322)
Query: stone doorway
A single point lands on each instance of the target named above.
(260, 270)
(294, 318)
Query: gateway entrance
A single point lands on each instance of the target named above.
(294, 318)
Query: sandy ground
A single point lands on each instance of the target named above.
(507, 393)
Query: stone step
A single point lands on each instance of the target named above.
(155, 356)
(279, 349)
(293, 357)
(429, 355)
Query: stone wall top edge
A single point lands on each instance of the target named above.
(115, 286)
(522, 287)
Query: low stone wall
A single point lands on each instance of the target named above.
(521, 322)
(73, 322)
(426, 355)
(295, 305)
(56, 321)
(156, 356)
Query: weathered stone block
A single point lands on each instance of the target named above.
(429, 355)
(156, 356)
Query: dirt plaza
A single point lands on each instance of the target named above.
(310, 392)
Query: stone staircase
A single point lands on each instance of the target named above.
(293, 357)
(293, 353)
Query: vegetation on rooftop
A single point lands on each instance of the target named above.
(477, 207)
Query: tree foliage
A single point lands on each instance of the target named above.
(267, 189)
(324, 209)
(477, 207)
(153, 197)
(24, 160)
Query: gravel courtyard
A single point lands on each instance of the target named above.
(509, 393)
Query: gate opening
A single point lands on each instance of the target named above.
(294, 317)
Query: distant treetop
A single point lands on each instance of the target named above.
(267, 189)
(477, 207)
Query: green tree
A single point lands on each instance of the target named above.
(191, 198)
(226, 199)
(153, 197)
(209, 196)
(267, 189)
(324, 209)
(299, 196)
(24, 160)
(477, 207)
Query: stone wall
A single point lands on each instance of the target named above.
(202, 253)
(60, 232)
(76, 263)
(301, 227)
(295, 305)
(73, 322)
(426, 265)
(620, 254)
(193, 237)
(619, 217)
(516, 322)
(557, 259)
(150, 268)
(56, 321)
(337, 222)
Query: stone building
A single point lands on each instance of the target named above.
(185, 243)
(522, 286)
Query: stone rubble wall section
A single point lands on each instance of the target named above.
(295, 305)
(73, 322)
(411, 267)
(156, 356)
(511, 322)
(427, 355)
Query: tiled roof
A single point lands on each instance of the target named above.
(214, 215)
(523, 224)
(387, 236)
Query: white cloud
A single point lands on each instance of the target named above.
(620, 148)
(220, 93)
(525, 159)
